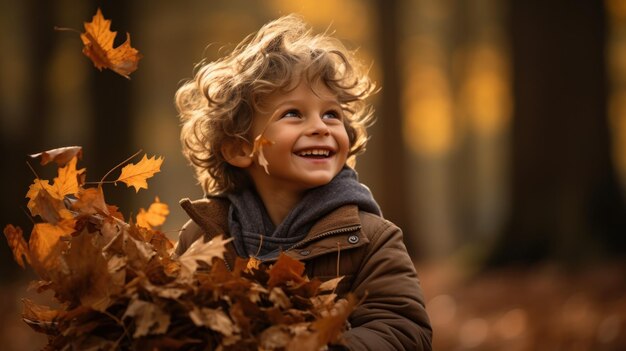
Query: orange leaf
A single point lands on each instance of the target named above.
(46, 246)
(90, 201)
(67, 181)
(136, 174)
(43, 204)
(98, 39)
(284, 270)
(257, 148)
(17, 244)
(155, 216)
(61, 155)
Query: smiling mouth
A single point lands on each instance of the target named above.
(315, 153)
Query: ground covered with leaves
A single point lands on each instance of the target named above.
(540, 308)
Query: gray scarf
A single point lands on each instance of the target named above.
(248, 220)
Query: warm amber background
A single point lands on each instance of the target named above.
(500, 145)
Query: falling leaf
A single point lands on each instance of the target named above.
(136, 174)
(155, 216)
(18, 246)
(149, 318)
(60, 155)
(98, 39)
(257, 149)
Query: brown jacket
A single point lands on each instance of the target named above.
(372, 258)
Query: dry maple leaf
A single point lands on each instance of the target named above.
(90, 201)
(155, 216)
(67, 182)
(98, 39)
(257, 149)
(135, 175)
(149, 318)
(18, 246)
(285, 269)
(201, 251)
(60, 155)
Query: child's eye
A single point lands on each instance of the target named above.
(331, 115)
(291, 113)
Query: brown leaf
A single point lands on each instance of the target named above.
(286, 269)
(257, 149)
(40, 318)
(135, 175)
(330, 285)
(203, 252)
(149, 318)
(61, 155)
(98, 39)
(155, 216)
(213, 319)
(90, 201)
(15, 239)
(327, 330)
(85, 277)
(49, 208)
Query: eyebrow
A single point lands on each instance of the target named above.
(296, 101)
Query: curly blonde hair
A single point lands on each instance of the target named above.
(219, 103)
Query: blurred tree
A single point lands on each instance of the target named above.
(25, 134)
(566, 202)
(394, 183)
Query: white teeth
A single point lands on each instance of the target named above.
(314, 152)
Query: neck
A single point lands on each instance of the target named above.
(278, 202)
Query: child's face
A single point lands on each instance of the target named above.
(310, 142)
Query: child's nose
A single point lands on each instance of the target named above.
(317, 126)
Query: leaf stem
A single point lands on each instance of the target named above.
(63, 29)
(121, 163)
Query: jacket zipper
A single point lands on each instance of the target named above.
(323, 235)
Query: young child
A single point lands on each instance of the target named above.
(271, 130)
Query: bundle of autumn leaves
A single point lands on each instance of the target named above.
(118, 286)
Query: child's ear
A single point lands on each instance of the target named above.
(237, 152)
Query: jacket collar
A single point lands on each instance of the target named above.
(211, 214)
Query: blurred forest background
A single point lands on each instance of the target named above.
(499, 146)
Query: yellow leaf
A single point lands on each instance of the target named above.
(257, 148)
(34, 189)
(67, 181)
(51, 209)
(98, 39)
(44, 244)
(155, 216)
(135, 175)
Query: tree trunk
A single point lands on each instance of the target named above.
(566, 202)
